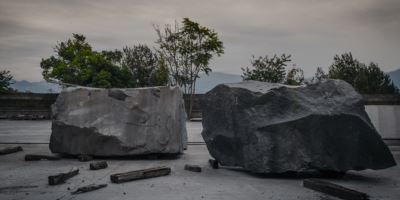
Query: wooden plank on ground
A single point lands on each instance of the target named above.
(193, 168)
(36, 157)
(334, 189)
(89, 188)
(140, 174)
(9, 150)
(98, 165)
(62, 177)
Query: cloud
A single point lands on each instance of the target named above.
(313, 31)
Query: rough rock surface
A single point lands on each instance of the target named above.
(119, 122)
(274, 128)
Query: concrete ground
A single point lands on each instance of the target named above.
(20, 179)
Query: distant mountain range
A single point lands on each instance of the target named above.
(36, 87)
(204, 83)
(208, 82)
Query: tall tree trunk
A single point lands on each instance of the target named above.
(193, 89)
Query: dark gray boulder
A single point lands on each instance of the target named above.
(119, 122)
(274, 128)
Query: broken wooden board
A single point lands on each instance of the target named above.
(334, 189)
(89, 188)
(9, 150)
(16, 187)
(62, 177)
(36, 157)
(140, 174)
(193, 168)
(98, 165)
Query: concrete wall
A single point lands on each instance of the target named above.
(386, 119)
(26, 105)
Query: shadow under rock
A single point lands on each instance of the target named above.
(333, 175)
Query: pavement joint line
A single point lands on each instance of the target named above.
(24, 143)
(189, 143)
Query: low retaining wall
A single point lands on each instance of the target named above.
(16, 105)
(384, 112)
(26, 105)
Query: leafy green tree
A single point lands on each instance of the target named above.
(188, 50)
(146, 67)
(365, 79)
(5, 81)
(161, 76)
(346, 68)
(267, 69)
(76, 63)
(295, 76)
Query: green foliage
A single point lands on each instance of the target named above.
(365, 79)
(5, 81)
(102, 79)
(188, 51)
(295, 76)
(76, 63)
(161, 76)
(145, 66)
(267, 69)
(346, 68)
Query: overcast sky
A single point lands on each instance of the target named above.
(313, 31)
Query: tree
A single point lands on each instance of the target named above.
(161, 76)
(188, 51)
(346, 68)
(76, 63)
(365, 79)
(319, 75)
(267, 69)
(5, 81)
(146, 67)
(295, 76)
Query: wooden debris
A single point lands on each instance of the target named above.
(17, 187)
(89, 188)
(9, 150)
(334, 189)
(213, 163)
(98, 165)
(35, 157)
(193, 168)
(140, 174)
(62, 177)
(85, 158)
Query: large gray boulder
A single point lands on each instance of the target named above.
(119, 122)
(274, 128)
